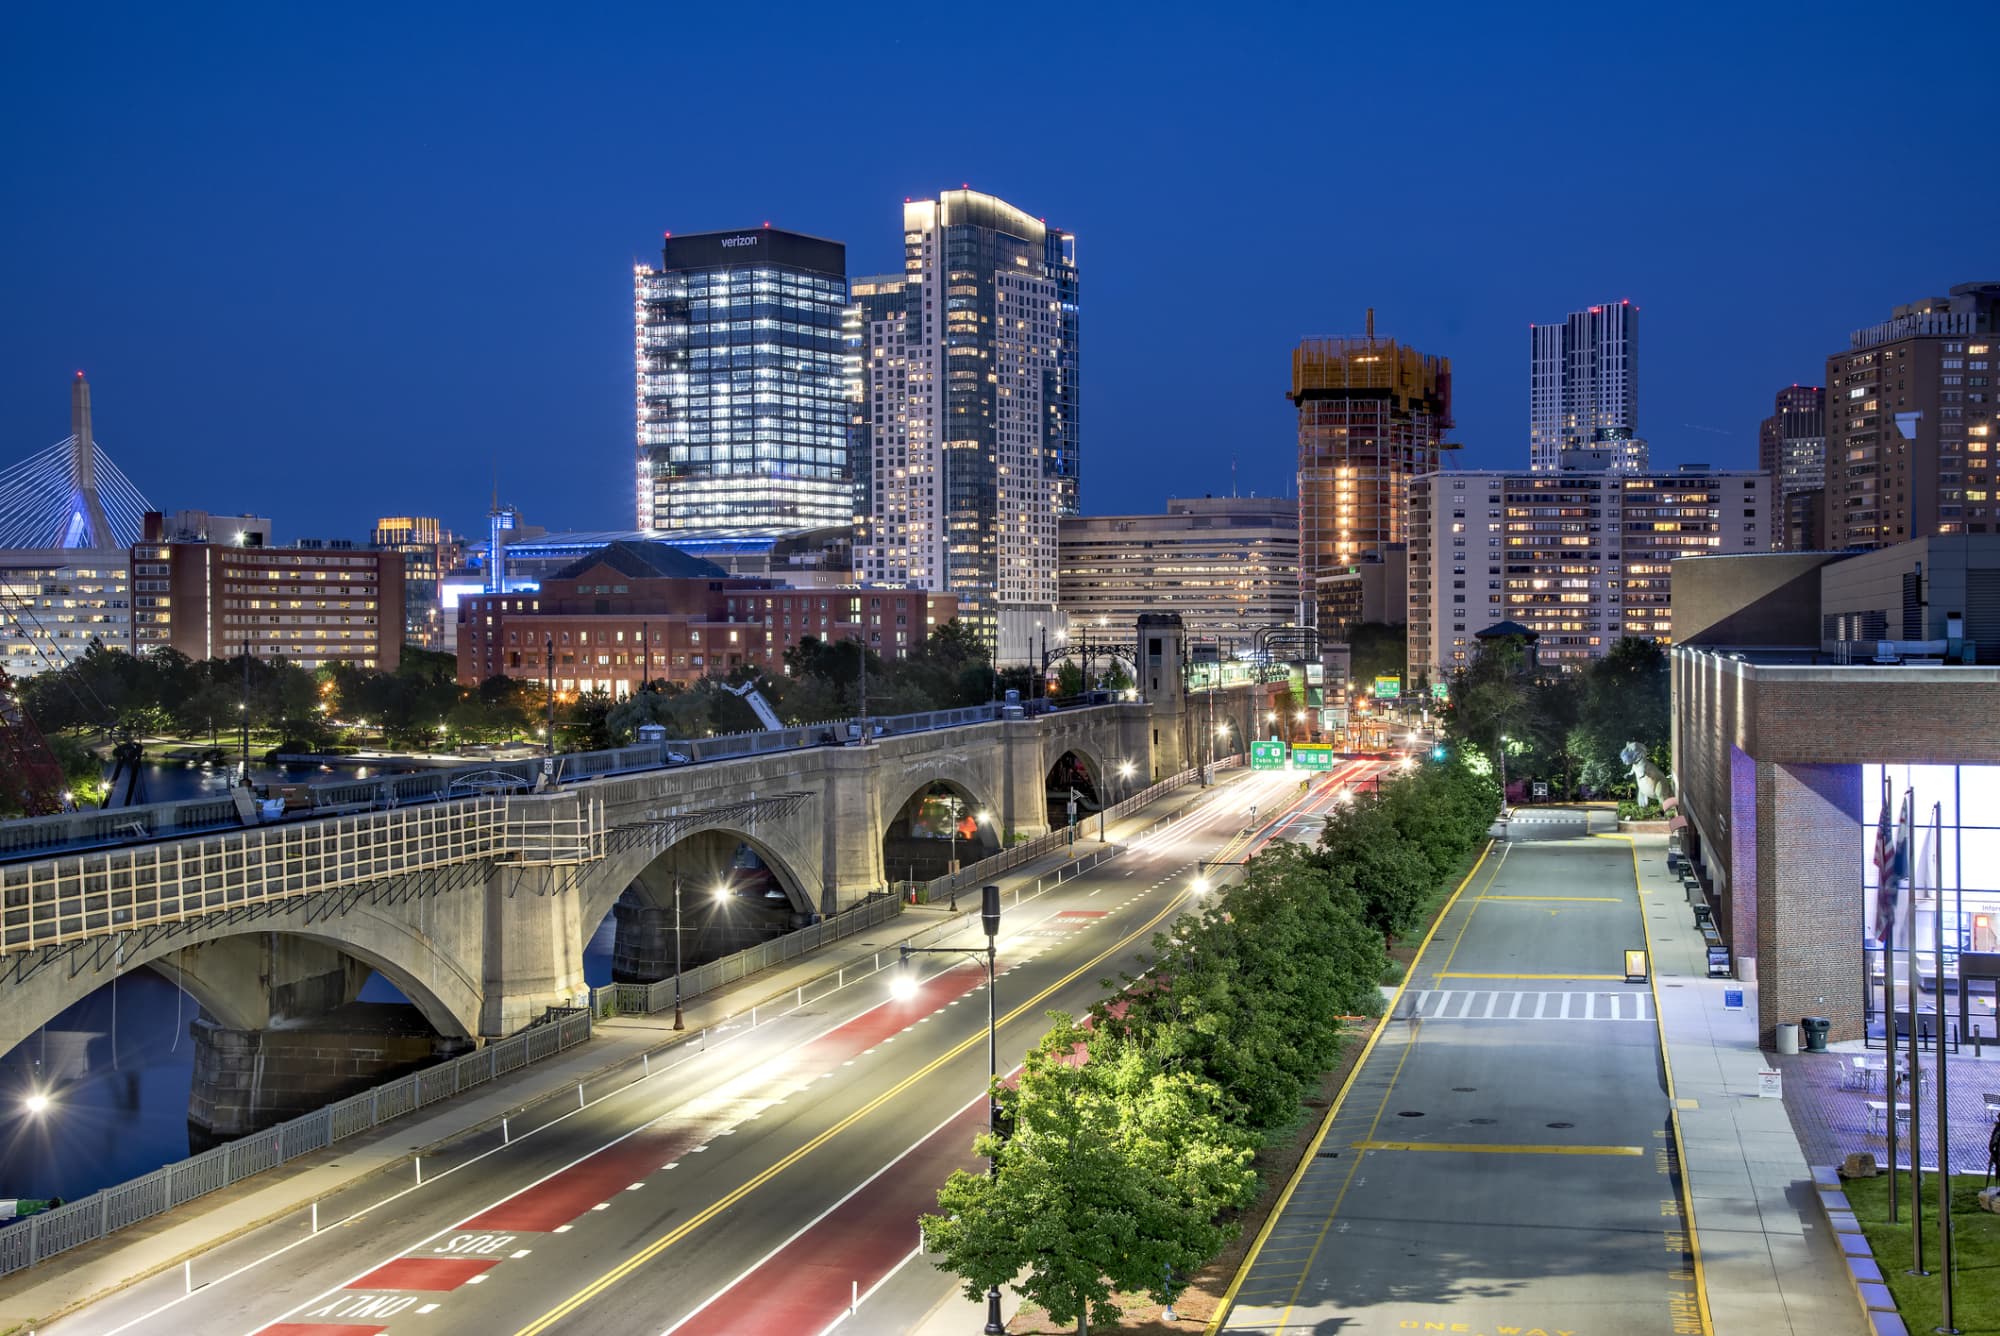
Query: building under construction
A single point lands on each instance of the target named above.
(1372, 415)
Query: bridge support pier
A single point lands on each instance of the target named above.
(533, 947)
(1024, 809)
(851, 843)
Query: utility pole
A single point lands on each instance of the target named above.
(243, 720)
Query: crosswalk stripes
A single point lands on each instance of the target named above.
(1452, 1004)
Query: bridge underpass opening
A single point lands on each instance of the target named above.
(1072, 778)
(734, 893)
(201, 1045)
(941, 823)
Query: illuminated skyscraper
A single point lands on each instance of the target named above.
(965, 405)
(1583, 387)
(742, 411)
(1372, 416)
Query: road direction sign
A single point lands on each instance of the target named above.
(1312, 756)
(1267, 755)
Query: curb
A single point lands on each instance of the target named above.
(1878, 1306)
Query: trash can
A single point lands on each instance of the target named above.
(1788, 1037)
(1815, 1028)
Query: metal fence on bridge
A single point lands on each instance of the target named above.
(43, 1235)
(158, 821)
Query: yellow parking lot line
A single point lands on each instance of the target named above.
(1581, 899)
(1618, 978)
(1483, 1148)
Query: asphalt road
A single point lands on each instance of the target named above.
(756, 1187)
(1501, 1164)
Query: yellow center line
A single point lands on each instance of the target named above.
(1580, 978)
(1306, 1161)
(729, 1199)
(1486, 1148)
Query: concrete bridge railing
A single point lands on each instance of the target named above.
(65, 899)
(48, 1233)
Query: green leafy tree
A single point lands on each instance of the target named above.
(1391, 875)
(1376, 649)
(1112, 1176)
(1626, 697)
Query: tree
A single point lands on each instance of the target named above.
(1489, 697)
(1110, 1179)
(1626, 697)
(1391, 875)
(1376, 649)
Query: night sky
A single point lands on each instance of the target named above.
(335, 262)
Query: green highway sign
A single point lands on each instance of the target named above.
(1441, 690)
(1388, 688)
(1267, 755)
(1312, 756)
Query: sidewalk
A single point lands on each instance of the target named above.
(609, 1062)
(1771, 1266)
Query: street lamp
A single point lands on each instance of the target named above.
(1200, 886)
(905, 985)
(679, 1023)
(37, 1103)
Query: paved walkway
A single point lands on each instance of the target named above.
(368, 1166)
(1769, 1263)
(1831, 1114)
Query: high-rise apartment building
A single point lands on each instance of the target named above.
(1791, 447)
(429, 554)
(1934, 358)
(742, 395)
(965, 401)
(1228, 565)
(1372, 415)
(1583, 387)
(1580, 558)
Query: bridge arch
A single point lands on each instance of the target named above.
(934, 820)
(778, 848)
(441, 987)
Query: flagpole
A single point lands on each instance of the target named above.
(1943, 1117)
(1905, 838)
(1885, 884)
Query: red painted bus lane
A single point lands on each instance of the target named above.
(809, 1281)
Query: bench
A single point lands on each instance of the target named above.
(1878, 1116)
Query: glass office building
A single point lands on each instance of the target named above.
(742, 404)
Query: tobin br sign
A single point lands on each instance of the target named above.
(1267, 755)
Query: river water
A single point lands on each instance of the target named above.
(177, 781)
(119, 1065)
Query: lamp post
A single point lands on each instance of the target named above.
(906, 985)
(549, 690)
(679, 1023)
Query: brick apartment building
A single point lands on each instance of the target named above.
(307, 606)
(636, 611)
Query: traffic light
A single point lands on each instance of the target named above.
(1437, 752)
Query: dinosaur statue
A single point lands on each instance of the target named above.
(1652, 782)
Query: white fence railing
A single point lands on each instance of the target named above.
(43, 1235)
(57, 900)
(628, 998)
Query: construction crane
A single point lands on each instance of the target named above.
(34, 777)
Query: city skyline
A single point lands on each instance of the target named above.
(151, 247)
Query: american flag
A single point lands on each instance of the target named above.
(1889, 864)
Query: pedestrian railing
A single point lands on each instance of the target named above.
(41, 1236)
(643, 998)
(988, 868)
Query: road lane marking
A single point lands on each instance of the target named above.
(1307, 1160)
(744, 1189)
(1579, 978)
(1483, 1148)
(1578, 899)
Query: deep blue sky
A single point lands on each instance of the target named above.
(331, 262)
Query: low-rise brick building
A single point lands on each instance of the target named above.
(1806, 687)
(638, 611)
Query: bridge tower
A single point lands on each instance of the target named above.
(1161, 649)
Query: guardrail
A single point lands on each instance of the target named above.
(644, 998)
(987, 868)
(157, 821)
(47, 1233)
(56, 900)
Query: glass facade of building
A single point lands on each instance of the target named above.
(742, 399)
